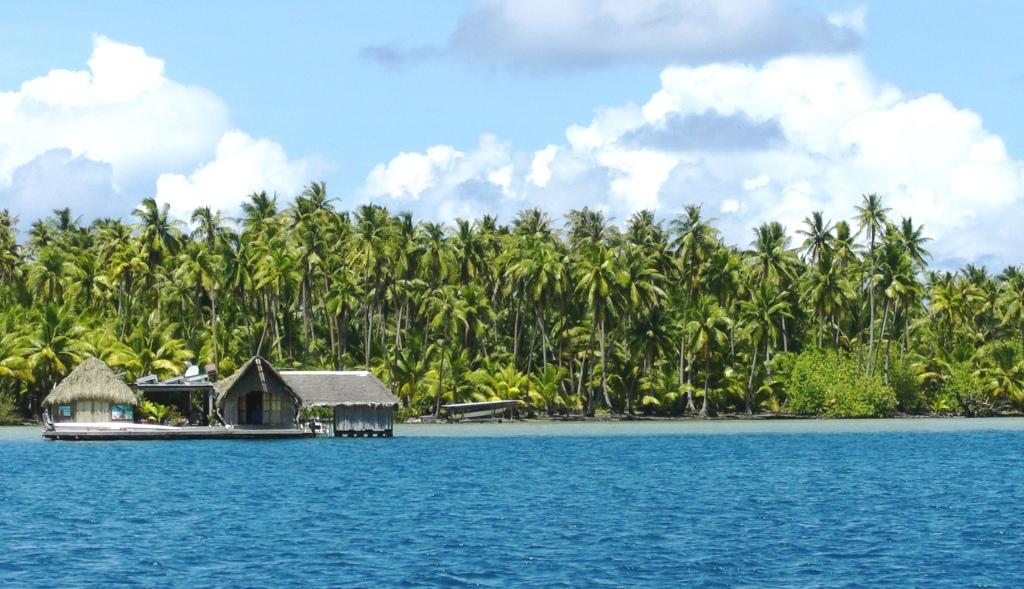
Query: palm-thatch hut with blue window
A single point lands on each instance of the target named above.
(91, 393)
(256, 395)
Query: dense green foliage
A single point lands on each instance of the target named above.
(826, 382)
(585, 316)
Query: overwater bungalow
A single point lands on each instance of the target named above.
(362, 405)
(257, 395)
(93, 403)
(256, 401)
(92, 393)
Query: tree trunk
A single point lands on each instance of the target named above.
(369, 336)
(213, 326)
(545, 345)
(872, 362)
(440, 384)
(604, 370)
(707, 374)
(515, 338)
(785, 338)
(682, 376)
(750, 382)
(871, 305)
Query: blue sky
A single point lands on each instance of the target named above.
(296, 74)
(299, 75)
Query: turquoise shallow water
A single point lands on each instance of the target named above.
(927, 503)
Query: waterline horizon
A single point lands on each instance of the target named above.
(668, 427)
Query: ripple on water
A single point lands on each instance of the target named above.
(604, 506)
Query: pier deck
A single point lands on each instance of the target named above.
(178, 433)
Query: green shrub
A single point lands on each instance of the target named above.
(963, 393)
(827, 383)
(8, 414)
(910, 395)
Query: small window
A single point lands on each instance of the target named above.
(121, 412)
(63, 413)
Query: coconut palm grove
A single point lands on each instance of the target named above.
(580, 315)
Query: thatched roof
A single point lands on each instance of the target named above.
(332, 388)
(92, 379)
(264, 373)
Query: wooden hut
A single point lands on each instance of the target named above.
(92, 393)
(256, 395)
(362, 405)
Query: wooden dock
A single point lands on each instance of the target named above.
(178, 433)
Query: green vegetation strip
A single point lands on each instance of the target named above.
(570, 316)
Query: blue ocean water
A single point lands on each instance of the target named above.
(483, 506)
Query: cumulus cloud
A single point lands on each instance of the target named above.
(708, 131)
(773, 142)
(588, 33)
(122, 110)
(241, 165)
(449, 182)
(57, 179)
(97, 139)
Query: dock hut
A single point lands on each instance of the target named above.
(362, 405)
(256, 395)
(92, 393)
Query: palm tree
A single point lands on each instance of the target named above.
(871, 217)
(469, 250)
(1011, 303)
(759, 314)
(158, 234)
(259, 208)
(913, 240)
(199, 267)
(10, 256)
(818, 237)
(772, 262)
(537, 267)
(828, 292)
(694, 241)
(54, 349)
(599, 281)
(545, 389)
(1002, 373)
(708, 332)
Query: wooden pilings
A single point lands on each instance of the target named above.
(365, 433)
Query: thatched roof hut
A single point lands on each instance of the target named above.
(255, 394)
(91, 380)
(323, 388)
(362, 404)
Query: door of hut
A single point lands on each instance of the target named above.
(252, 409)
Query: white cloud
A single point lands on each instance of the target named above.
(122, 111)
(409, 174)
(853, 20)
(837, 132)
(575, 33)
(759, 181)
(447, 182)
(540, 167)
(122, 122)
(242, 165)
